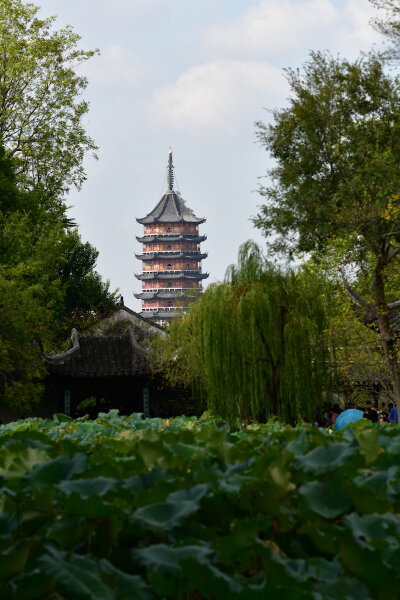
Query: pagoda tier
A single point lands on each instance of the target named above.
(177, 284)
(187, 255)
(167, 275)
(171, 237)
(171, 209)
(170, 256)
(161, 294)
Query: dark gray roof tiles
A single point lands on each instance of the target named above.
(162, 314)
(171, 237)
(171, 276)
(100, 356)
(162, 295)
(171, 209)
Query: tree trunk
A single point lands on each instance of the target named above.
(386, 334)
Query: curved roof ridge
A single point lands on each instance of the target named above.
(171, 209)
(56, 359)
(135, 344)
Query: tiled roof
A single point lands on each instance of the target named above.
(100, 356)
(171, 237)
(162, 314)
(171, 209)
(171, 276)
(162, 295)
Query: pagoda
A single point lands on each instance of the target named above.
(171, 256)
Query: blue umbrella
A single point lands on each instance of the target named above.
(351, 415)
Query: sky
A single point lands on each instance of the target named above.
(194, 75)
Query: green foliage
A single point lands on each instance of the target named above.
(337, 151)
(48, 281)
(28, 293)
(356, 349)
(184, 509)
(41, 105)
(86, 298)
(89, 403)
(388, 25)
(47, 285)
(254, 344)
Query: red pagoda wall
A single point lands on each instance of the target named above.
(176, 284)
(171, 228)
(171, 265)
(171, 247)
(156, 303)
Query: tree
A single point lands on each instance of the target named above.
(336, 179)
(48, 284)
(86, 298)
(254, 345)
(28, 292)
(41, 105)
(389, 25)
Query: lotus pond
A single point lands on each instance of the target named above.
(184, 508)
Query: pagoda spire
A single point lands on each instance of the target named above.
(171, 257)
(170, 176)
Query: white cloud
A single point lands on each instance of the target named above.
(116, 67)
(105, 17)
(355, 31)
(218, 95)
(276, 28)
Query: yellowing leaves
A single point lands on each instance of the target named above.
(392, 210)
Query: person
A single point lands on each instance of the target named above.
(372, 414)
(335, 412)
(393, 416)
(383, 417)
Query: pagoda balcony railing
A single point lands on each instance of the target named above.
(172, 271)
(171, 251)
(160, 275)
(168, 289)
(174, 234)
(174, 308)
(171, 236)
(174, 252)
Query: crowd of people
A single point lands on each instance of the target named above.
(327, 417)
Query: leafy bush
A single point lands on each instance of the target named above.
(123, 507)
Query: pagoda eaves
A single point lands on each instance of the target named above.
(170, 237)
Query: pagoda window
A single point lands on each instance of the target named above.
(187, 265)
(169, 302)
(169, 284)
(169, 265)
(168, 228)
(169, 247)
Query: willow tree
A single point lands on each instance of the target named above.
(254, 344)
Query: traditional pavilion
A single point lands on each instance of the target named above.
(171, 256)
